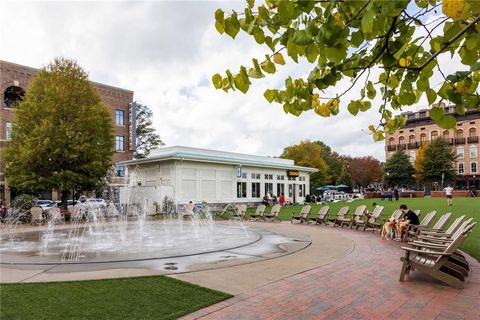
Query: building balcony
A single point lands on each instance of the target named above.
(402, 146)
(392, 147)
(473, 139)
(459, 140)
(413, 145)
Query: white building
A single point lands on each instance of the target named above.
(192, 174)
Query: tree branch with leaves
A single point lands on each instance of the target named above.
(346, 40)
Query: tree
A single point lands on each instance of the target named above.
(386, 49)
(438, 159)
(399, 170)
(147, 139)
(364, 170)
(336, 169)
(308, 154)
(62, 136)
(418, 163)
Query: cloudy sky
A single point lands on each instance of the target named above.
(167, 51)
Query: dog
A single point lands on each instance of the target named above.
(387, 229)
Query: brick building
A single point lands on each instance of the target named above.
(420, 129)
(14, 82)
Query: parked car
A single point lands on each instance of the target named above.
(93, 202)
(44, 203)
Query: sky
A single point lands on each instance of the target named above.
(166, 52)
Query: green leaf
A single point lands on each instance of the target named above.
(268, 66)
(353, 107)
(447, 122)
(232, 26)
(270, 94)
(217, 81)
(423, 84)
(302, 38)
(241, 84)
(357, 39)
(367, 21)
(436, 114)
(258, 35)
(219, 21)
(431, 96)
(311, 52)
(365, 105)
(371, 93)
(251, 3)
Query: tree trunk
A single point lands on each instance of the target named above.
(64, 198)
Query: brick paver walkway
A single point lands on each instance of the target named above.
(362, 285)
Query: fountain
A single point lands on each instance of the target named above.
(123, 235)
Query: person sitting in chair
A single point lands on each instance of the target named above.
(409, 218)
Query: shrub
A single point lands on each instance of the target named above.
(168, 205)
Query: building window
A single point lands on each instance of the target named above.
(255, 176)
(120, 171)
(119, 143)
(473, 167)
(423, 138)
(411, 139)
(422, 114)
(302, 178)
(280, 177)
(12, 96)
(255, 189)
(119, 117)
(244, 175)
(473, 151)
(290, 190)
(459, 133)
(434, 135)
(460, 153)
(280, 189)
(8, 131)
(301, 190)
(391, 141)
(472, 132)
(292, 178)
(446, 135)
(460, 168)
(241, 189)
(269, 188)
(269, 177)
(401, 140)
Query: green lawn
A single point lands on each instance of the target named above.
(127, 298)
(469, 207)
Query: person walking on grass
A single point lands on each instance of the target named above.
(449, 194)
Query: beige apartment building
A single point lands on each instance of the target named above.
(14, 82)
(420, 128)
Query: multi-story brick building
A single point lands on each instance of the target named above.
(14, 82)
(420, 129)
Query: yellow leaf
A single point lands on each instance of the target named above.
(323, 110)
(462, 89)
(405, 62)
(338, 19)
(456, 9)
(278, 58)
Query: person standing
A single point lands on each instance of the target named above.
(281, 199)
(396, 193)
(449, 194)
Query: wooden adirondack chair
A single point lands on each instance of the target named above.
(424, 223)
(273, 214)
(438, 226)
(188, 210)
(341, 214)
(437, 263)
(239, 214)
(321, 216)
(358, 216)
(373, 221)
(449, 232)
(258, 213)
(303, 215)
